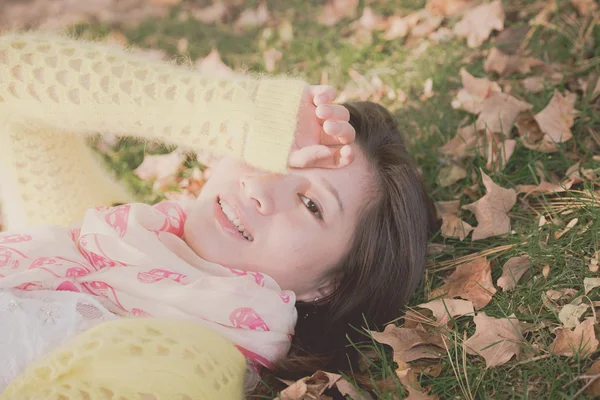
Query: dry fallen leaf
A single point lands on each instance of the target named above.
(446, 7)
(470, 281)
(211, 14)
(594, 370)
(312, 387)
(451, 174)
(454, 227)
(427, 26)
(271, 58)
(499, 112)
(397, 28)
(570, 313)
(590, 283)
(212, 66)
(479, 22)
(445, 309)
(512, 271)
(410, 344)
(531, 134)
(585, 7)
(250, 18)
(460, 145)
(491, 210)
(160, 167)
(497, 340)
(556, 119)
(408, 379)
(497, 150)
(336, 10)
(581, 340)
(505, 64)
(533, 84)
(475, 90)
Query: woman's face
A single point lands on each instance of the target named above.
(296, 226)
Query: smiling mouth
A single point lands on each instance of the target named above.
(233, 219)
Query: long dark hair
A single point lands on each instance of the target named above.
(386, 259)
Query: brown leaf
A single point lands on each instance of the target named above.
(447, 207)
(251, 18)
(581, 340)
(505, 64)
(445, 309)
(533, 84)
(585, 7)
(531, 134)
(454, 227)
(212, 66)
(470, 281)
(311, 387)
(408, 379)
(211, 14)
(271, 58)
(371, 21)
(499, 111)
(336, 10)
(446, 7)
(475, 90)
(594, 388)
(479, 22)
(570, 313)
(410, 344)
(557, 118)
(497, 340)
(397, 28)
(460, 145)
(498, 150)
(590, 284)
(512, 271)
(160, 167)
(491, 210)
(348, 390)
(427, 26)
(451, 174)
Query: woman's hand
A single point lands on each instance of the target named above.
(323, 133)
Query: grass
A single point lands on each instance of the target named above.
(427, 125)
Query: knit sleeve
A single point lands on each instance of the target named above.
(136, 359)
(54, 90)
(84, 87)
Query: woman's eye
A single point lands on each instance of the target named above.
(311, 206)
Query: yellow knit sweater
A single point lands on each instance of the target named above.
(53, 91)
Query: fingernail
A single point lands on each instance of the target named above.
(322, 111)
(320, 99)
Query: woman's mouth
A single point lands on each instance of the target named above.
(229, 221)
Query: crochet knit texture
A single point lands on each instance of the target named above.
(140, 359)
(54, 90)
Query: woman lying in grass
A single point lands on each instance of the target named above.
(314, 220)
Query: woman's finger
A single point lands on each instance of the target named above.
(323, 94)
(306, 157)
(341, 131)
(333, 111)
(321, 157)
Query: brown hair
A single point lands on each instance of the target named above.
(386, 259)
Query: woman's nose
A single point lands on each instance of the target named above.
(257, 188)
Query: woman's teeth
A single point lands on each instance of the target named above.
(228, 211)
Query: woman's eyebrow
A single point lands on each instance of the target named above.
(333, 190)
